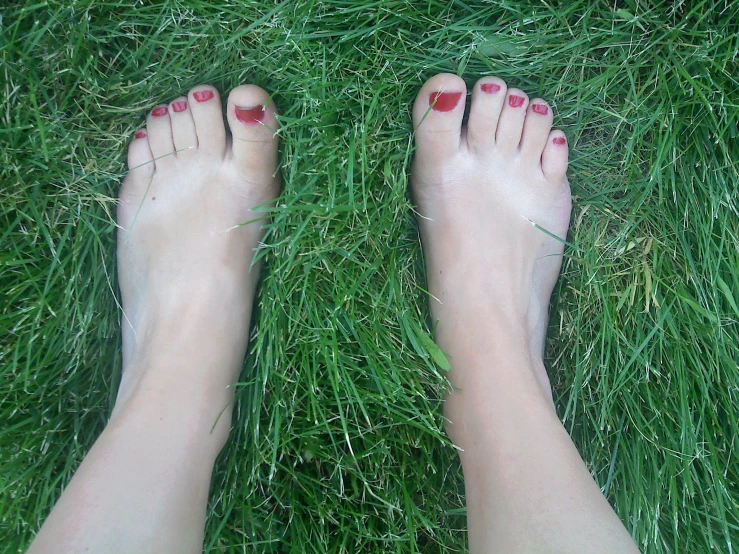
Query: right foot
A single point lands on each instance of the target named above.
(479, 190)
(184, 254)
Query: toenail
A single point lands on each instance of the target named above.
(159, 111)
(490, 88)
(444, 101)
(180, 106)
(203, 95)
(140, 134)
(540, 108)
(515, 101)
(250, 116)
(559, 140)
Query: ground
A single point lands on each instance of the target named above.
(338, 443)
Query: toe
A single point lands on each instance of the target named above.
(554, 157)
(437, 116)
(183, 128)
(487, 102)
(510, 125)
(141, 167)
(205, 106)
(251, 117)
(159, 130)
(536, 129)
(140, 158)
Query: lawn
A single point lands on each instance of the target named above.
(338, 442)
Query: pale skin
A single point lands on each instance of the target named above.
(187, 285)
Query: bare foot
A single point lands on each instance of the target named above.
(492, 197)
(184, 253)
(484, 193)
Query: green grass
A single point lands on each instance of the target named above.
(338, 443)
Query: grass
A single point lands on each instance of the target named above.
(338, 443)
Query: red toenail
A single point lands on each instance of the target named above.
(515, 101)
(559, 140)
(159, 112)
(250, 116)
(203, 95)
(540, 108)
(180, 106)
(141, 134)
(444, 101)
(490, 88)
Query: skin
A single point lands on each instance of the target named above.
(491, 273)
(187, 285)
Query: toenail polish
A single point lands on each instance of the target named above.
(540, 108)
(140, 134)
(444, 101)
(180, 106)
(559, 140)
(490, 88)
(250, 116)
(203, 95)
(159, 111)
(515, 101)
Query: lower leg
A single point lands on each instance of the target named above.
(144, 485)
(527, 488)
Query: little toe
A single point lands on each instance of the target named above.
(141, 168)
(140, 158)
(554, 157)
(510, 124)
(183, 128)
(536, 129)
(437, 116)
(205, 106)
(251, 117)
(487, 102)
(159, 130)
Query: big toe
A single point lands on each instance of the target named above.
(251, 116)
(437, 116)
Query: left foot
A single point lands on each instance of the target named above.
(486, 193)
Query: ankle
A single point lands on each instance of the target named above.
(185, 373)
(176, 409)
(201, 345)
(490, 383)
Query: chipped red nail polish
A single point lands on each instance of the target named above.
(180, 106)
(540, 108)
(444, 101)
(203, 95)
(159, 111)
(250, 116)
(140, 134)
(559, 140)
(490, 88)
(515, 101)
